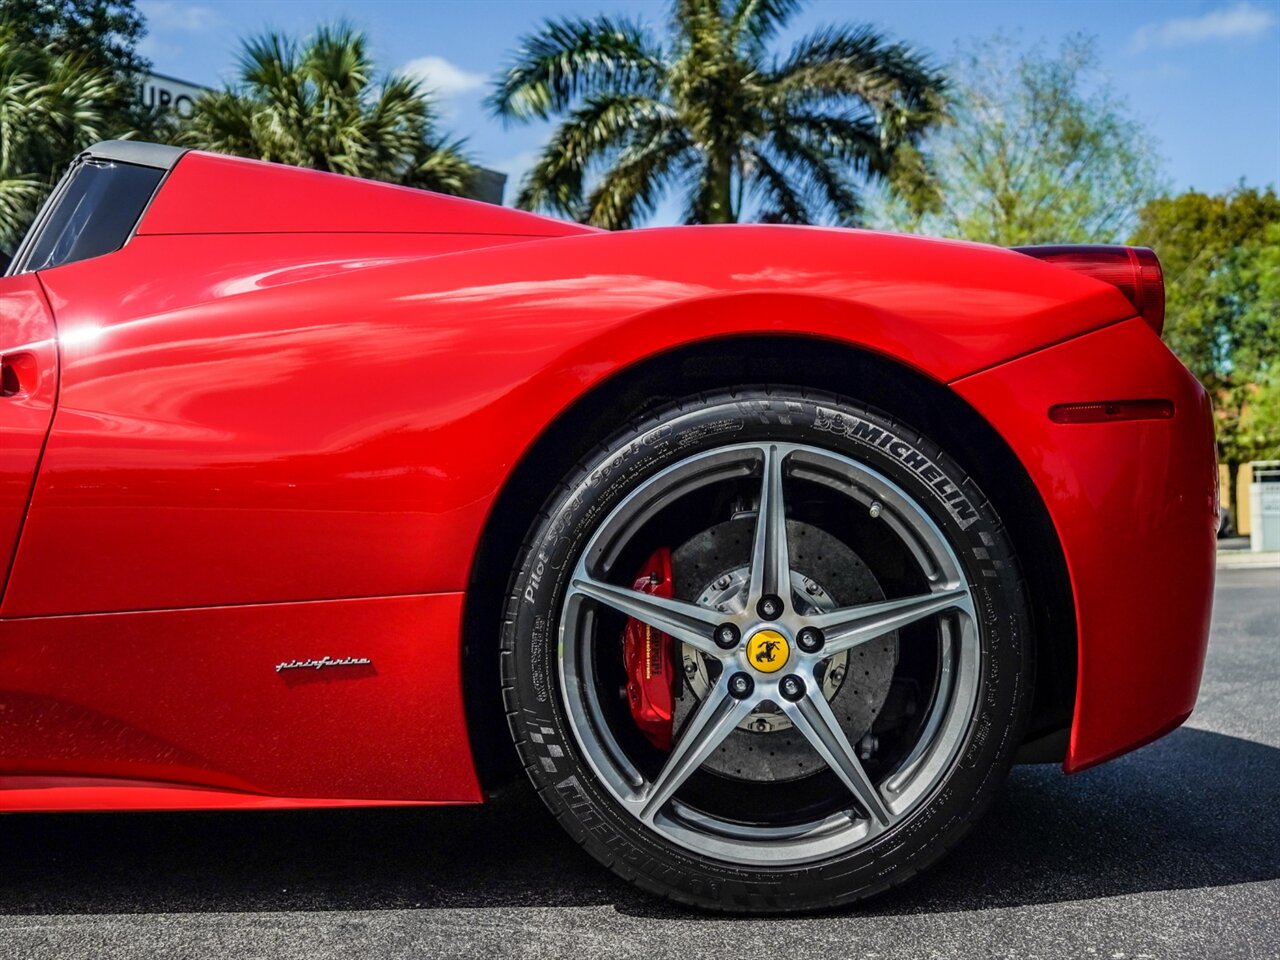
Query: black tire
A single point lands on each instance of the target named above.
(554, 758)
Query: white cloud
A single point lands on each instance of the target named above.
(171, 24)
(442, 77)
(172, 15)
(1242, 21)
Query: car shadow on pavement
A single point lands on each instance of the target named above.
(1196, 809)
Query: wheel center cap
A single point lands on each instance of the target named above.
(768, 651)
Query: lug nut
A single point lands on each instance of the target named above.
(769, 607)
(809, 639)
(740, 686)
(727, 636)
(791, 687)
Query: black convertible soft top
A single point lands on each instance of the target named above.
(158, 155)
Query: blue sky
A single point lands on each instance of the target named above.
(1203, 75)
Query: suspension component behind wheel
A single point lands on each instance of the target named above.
(648, 656)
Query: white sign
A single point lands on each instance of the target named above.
(169, 95)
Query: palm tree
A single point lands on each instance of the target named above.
(317, 105)
(52, 106)
(712, 111)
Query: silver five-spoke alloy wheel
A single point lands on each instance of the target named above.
(805, 638)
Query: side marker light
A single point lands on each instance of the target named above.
(1110, 411)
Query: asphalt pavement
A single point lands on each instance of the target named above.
(1172, 851)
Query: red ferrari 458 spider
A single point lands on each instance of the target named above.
(763, 550)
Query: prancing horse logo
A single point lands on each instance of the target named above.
(768, 651)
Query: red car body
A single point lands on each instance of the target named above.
(283, 420)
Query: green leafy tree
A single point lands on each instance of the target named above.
(69, 71)
(52, 105)
(316, 104)
(1221, 259)
(102, 34)
(1261, 419)
(1038, 152)
(709, 111)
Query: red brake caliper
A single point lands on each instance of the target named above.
(647, 655)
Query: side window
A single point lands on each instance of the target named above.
(92, 212)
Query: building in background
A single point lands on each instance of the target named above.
(171, 95)
(488, 185)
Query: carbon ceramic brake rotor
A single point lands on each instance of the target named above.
(711, 569)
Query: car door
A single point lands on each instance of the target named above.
(108, 684)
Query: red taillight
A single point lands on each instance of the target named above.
(1134, 271)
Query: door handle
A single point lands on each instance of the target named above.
(19, 374)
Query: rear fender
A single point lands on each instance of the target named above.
(1134, 504)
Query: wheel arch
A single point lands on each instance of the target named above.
(724, 363)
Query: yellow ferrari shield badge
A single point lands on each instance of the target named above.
(768, 651)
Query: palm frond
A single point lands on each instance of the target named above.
(603, 124)
(338, 62)
(271, 61)
(572, 58)
(817, 174)
(226, 122)
(852, 140)
(783, 202)
(20, 197)
(442, 166)
(632, 187)
(843, 62)
(757, 21)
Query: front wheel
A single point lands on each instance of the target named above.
(767, 651)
